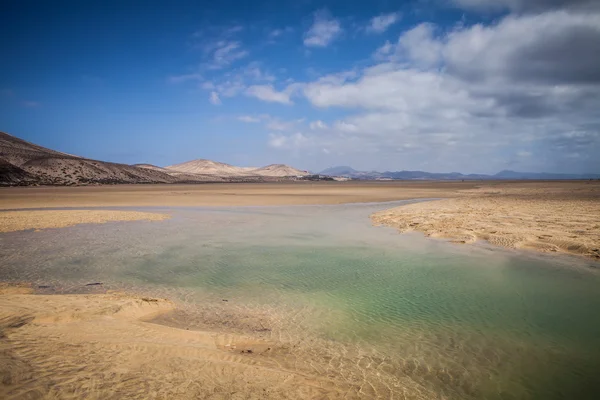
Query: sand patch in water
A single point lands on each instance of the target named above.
(11, 221)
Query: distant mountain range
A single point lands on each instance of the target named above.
(350, 172)
(24, 163)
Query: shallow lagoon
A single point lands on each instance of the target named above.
(380, 313)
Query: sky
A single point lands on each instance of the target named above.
(472, 86)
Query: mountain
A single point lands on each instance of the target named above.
(209, 167)
(279, 170)
(422, 175)
(24, 163)
(507, 174)
(150, 166)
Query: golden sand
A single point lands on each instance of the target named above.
(102, 346)
(240, 194)
(547, 216)
(11, 221)
(99, 346)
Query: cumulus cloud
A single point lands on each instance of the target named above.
(553, 47)
(323, 31)
(527, 81)
(269, 94)
(382, 22)
(420, 45)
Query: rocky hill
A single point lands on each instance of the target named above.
(24, 163)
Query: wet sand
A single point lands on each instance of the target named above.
(240, 194)
(103, 345)
(543, 216)
(100, 346)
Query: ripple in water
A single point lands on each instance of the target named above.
(380, 314)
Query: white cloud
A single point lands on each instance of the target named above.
(323, 31)
(254, 72)
(248, 119)
(214, 98)
(417, 46)
(529, 81)
(385, 51)
(269, 94)
(557, 46)
(225, 53)
(420, 45)
(294, 141)
(317, 125)
(275, 33)
(382, 22)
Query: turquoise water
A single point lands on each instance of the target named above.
(386, 314)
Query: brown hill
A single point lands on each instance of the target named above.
(209, 167)
(24, 163)
(280, 170)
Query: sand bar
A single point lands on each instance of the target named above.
(99, 346)
(546, 216)
(11, 221)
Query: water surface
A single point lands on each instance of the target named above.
(387, 314)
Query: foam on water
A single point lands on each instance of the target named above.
(379, 313)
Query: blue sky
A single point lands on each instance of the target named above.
(436, 85)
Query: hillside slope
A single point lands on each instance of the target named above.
(280, 170)
(24, 163)
(209, 167)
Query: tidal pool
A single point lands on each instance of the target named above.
(383, 314)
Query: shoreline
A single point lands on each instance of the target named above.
(543, 219)
(547, 217)
(121, 344)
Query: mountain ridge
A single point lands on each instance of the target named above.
(423, 175)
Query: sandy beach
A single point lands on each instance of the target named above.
(240, 194)
(100, 346)
(104, 346)
(543, 216)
